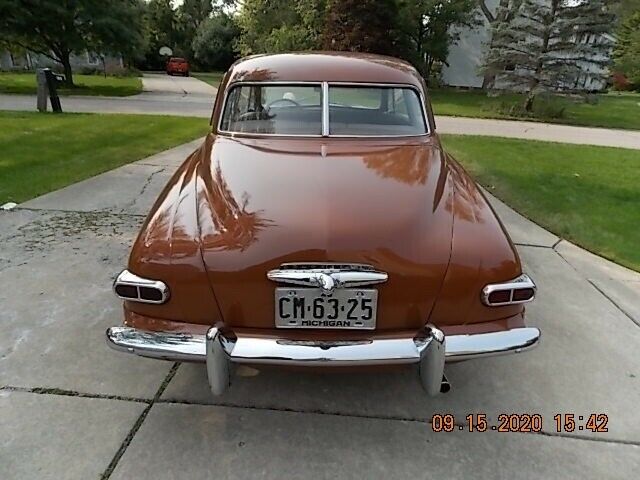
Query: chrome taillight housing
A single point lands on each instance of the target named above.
(518, 290)
(129, 286)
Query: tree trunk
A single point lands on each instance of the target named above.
(535, 82)
(68, 72)
(528, 104)
(488, 81)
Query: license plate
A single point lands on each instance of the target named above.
(309, 308)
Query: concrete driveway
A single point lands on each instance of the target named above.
(72, 408)
(161, 83)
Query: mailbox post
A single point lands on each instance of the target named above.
(43, 90)
(47, 87)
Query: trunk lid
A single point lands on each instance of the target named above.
(265, 202)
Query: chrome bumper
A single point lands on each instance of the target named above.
(429, 348)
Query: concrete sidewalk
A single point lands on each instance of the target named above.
(72, 408)
(548, 132)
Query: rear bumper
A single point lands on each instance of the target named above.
(428, 348)
(259, 350)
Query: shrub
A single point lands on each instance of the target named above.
(545, 107)
(549, 107)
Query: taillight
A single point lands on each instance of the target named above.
(129, 286)
(518, 290)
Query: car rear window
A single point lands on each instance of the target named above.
(297, 109)
(384, 111)
(274, 109)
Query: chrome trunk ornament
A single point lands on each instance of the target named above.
(327, 276)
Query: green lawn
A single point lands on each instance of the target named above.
(613, 110)
(588, 195)
(44, 152)
(25, 83)
(212, 78)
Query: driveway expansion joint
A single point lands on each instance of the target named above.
(615, 304)
(560, 239)
(72, 393)
(532, 245)
(136, 426)
(599, 290)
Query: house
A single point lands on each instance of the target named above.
(84, 60)
(466, 57)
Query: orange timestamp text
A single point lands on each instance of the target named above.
(520, 422)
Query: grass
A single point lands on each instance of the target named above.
(612, 110)
(25, 83)
(212, 78)
(44, 152)
(587, 195)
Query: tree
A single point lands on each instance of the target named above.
(625, 8)
(548, 45)
(502, 14)
(279, 25)
(58, 28)
(431, 26)
(361, 26)
(189, 16)
(627, 50)
(213, 45)
(160, 31)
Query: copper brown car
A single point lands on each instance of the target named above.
(322, 224)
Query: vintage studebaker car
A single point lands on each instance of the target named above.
(322, 224)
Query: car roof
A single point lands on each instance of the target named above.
(324, 67)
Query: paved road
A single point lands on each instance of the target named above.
(71, 408)
(191, 97)
(162, 95)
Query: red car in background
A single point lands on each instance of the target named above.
(178, 66)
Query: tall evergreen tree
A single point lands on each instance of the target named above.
(361, 26)
(501, 15)
(549, 45)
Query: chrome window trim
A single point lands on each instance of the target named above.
(325, 109)
(326, 124)
(233, 85)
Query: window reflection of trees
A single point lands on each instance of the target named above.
(411, 169)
